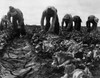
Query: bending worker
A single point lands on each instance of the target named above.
(92, 20)
(50, 12)
(77, 22)
(17, 20)
(4, 22)
(67, 19)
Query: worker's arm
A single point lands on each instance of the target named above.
(42, 20)
(21, 20)
(2, 22)
(80, 20)
(62, 24)
(9, 17)
(13, 13)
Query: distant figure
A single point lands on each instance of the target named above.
(67, 19)
(77, 23)
(92, 20)
(17, 20)
(4, 22)
(50, 12)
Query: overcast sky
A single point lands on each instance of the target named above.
(32, 9)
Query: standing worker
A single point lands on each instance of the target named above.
(50, 12)
(17, 20)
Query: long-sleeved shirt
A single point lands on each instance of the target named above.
(68, 18)
(16, 13)
(93, 18)
(77, 19)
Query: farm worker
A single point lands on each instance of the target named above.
(4, 22)
(17, 20)
(67, 19)
(48, 13)
(92, 20)
(77, 22)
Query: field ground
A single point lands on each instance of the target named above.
(20, 43)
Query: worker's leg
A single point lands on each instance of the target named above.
(57, 26)
(15, 24)
(22, 29)
(88, 26)
(94, 27)
(1, 27)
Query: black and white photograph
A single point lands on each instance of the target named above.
(49, 39)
